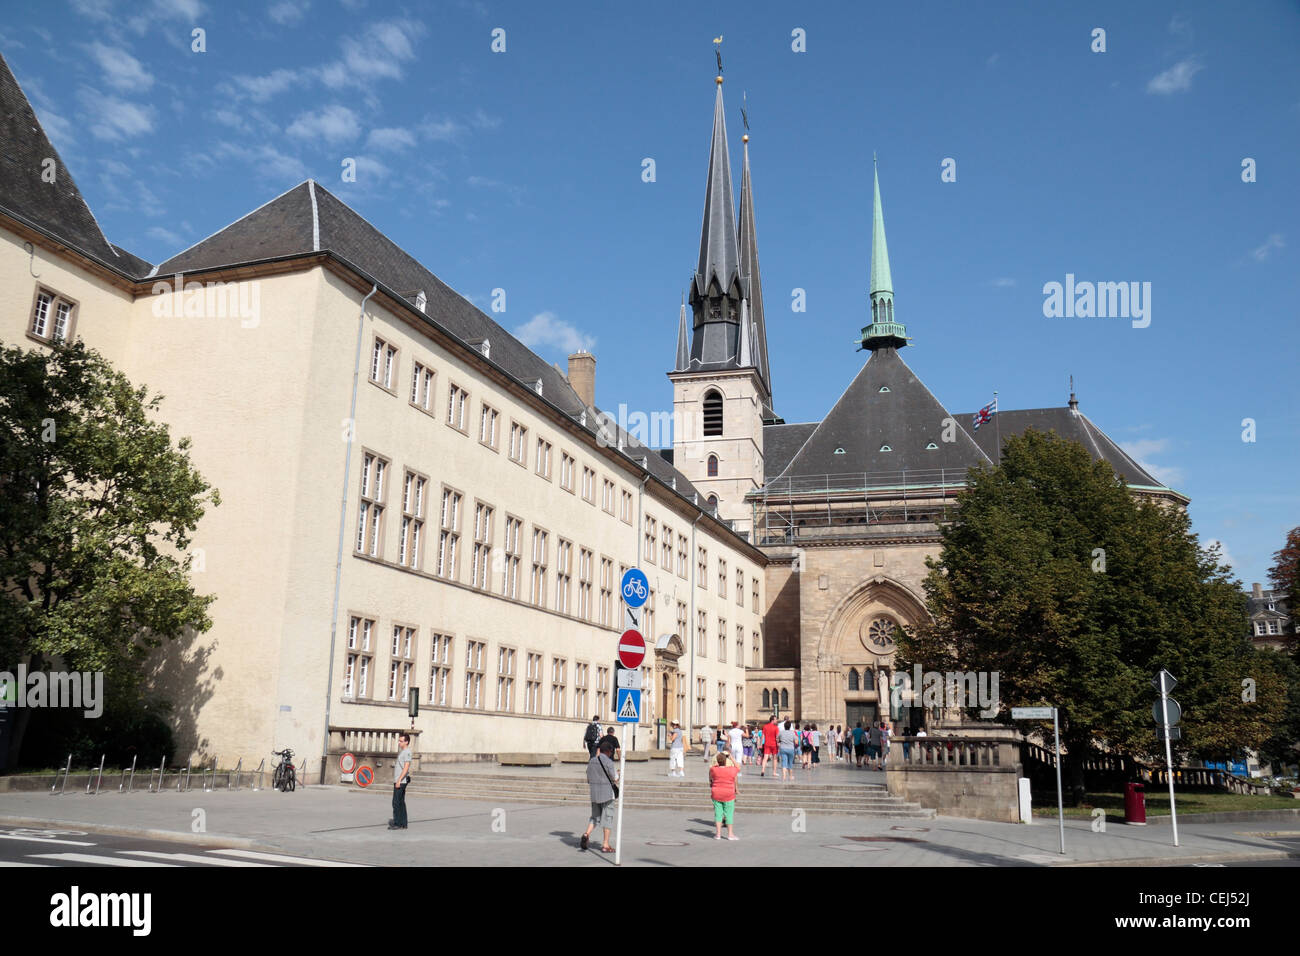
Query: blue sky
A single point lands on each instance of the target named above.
(522, 170)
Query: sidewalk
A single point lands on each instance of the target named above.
(342, 823)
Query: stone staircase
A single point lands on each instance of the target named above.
(757, 795)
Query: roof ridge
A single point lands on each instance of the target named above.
(218, 232)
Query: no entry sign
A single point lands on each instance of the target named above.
(631, 649)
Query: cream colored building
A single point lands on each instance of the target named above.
(410, 497)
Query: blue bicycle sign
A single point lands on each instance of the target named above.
(636, 588)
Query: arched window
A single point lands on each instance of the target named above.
(712, 413)
(785, 699)
(853, 678)
(713, 502)
(713, 466)
(767, 700)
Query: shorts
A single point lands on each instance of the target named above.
(787, 759)
(860, 749)
(769, 751)
(724, 811)
(676, 759)
(602, 814)
(873, 751)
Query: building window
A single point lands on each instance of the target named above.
(563, 575)
(666, 556)
(518, 444)
(440, 670)
(648, 617)
(411, 544)
(885, 448)
(713, 466)
(785, 698)
(506, 679)
(449, 537)
(700, 701)
(457, 402)
(651, 539)
(422, 387)
(722, 577)
(712, 414)
(1259, 628)
(370, 521)
(487, 426)
(475, 651)
(537, 592)
(702, 561)
(580, 677)
(606, 591)
(1273, 628)
(360, 661)
(754, 592)
(681, 556)
(853, 678)
(701, 634)
(403, 659)
(559, 685)
(740, 587)
(543, 463)
(602, 691)
(722, 704)
(722, 639)
(756, 650)
(607, 496)
(513, 556)
(566, 472)
(482, 545)
(585, 561)
(383, 364)
(53, 317)
(533, 685)
(627, 507)
(588, 485)
(740, 644)
(681, 621)
(767, 699)
(713, 504)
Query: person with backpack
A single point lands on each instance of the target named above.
(592, 736)
(676, 753)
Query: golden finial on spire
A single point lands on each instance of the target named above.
(717, 52)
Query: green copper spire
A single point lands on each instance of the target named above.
(883, 332)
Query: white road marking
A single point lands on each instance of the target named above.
(277, 858)
(32, 839)
(5, 863)
(191, 858)
(101, 860)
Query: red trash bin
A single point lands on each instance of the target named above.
(1135, 804)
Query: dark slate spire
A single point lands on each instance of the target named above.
(683, 362)
(716, 287)
(749, 271)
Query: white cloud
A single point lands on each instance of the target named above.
(1275, 241)
(1180, 27)
(1002, 283)
(392, 138)
(266, 159)
(95, 9)
(164, 235)
(377, 54)
(287, 11)
(114, 119)
(1176, 79)
(1224, 556)
(259, 89)
(1140, 450)
(333, 124)
(122, 71)
(482, 120)
(992, 60)
(441, 131)
(545, 329)
(1145, 446)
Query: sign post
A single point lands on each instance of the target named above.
(631, 652)
(1167, 713)
(1042, 713)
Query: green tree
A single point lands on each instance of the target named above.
(97, 508)
(1284, 575)
(1054, 575)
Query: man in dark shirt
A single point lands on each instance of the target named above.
(612, 740)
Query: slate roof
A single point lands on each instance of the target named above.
(1068, 423)
(56, 208)
(906, 417)
(309, 218)
(719, 256)
(747, 238)
(780, 442)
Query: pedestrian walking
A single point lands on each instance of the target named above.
(873, 747)
(907, 744)
(859, 744)
(706, 739)
(592, 736)
(612, 739)
(602, 777)
(401, 777)
(722, 788)
(816, 740)
(676, 752)
(750, 735)
(787, 739)
(885, 733)
(769, 747)
(736, 742)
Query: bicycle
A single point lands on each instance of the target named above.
(284, 778)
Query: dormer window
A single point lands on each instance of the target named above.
(421, 300)
(884, 388)
(932, 447)
(839, 451)
(537, 386)
(885, 448)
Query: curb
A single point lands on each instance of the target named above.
(1182, 861)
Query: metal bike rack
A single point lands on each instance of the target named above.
(99, 779)
(162, 769)
(261, 774)
(187, 777)
(235, 775)
(129, 782)
(67, 770)
(207, 786)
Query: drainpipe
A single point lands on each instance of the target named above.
(636, 563)
(343, 518)
(690, 627)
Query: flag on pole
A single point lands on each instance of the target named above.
(985, 414)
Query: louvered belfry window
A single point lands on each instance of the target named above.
(712, 414)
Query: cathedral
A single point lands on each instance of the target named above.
(847, 508)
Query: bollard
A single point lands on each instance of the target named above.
(129, 782)
(238, 764)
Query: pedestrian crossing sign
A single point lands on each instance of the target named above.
(629, 705)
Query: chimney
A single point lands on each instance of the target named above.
(1256, 590)
(582, 376)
